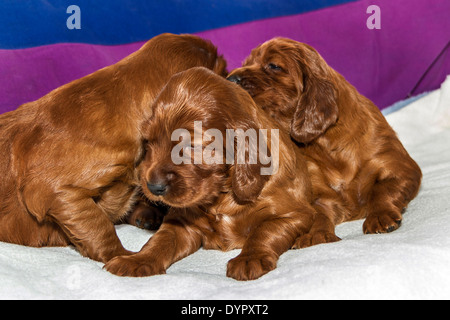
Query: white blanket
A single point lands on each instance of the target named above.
(410, 263)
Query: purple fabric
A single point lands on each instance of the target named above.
(28, 74)
(384, 64)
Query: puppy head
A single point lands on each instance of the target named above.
(186, 163)
(293, 83)
(190, 51)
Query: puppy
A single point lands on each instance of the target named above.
(68, 159)
(357, 165)
(257, 205)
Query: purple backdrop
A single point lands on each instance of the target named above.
(384, 64)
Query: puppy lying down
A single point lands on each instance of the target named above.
(358, 166)
(225, 191)
(68, 159)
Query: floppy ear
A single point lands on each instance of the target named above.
(220, 66)
(317, 108)
(247, 178)
(248, 182)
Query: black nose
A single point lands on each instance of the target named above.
(157, 189)
(235, 78)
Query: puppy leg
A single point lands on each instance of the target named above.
(391, 194)
(266, 242)
(172, 242)
(384, 215)
(87, 226)
(23, 229)
(389, 200)
(322, 231)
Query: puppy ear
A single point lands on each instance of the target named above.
(317, 108)
(248, 179)
(247, 182)
(220, 67)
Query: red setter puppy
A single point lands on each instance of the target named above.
(358, 166)
(68, 159)
(218, 204)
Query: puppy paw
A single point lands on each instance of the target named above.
(105, 256)
(250, 267)
(382, 222)
(132, 266)
(146, 216)
(312, 239)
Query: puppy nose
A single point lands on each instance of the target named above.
(157, 189)
(235, 78)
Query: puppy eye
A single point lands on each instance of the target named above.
(274, 67)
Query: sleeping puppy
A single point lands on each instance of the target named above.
(224, 193)
(358, 166)
(68, 159)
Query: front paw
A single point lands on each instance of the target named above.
(382, 223)
(107, 255)
(132, 266)
(250, 267)
(314, 238)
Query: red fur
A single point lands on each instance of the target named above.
(358, 166)
(68, 159)
(218, 206)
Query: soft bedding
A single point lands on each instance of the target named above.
(410, 263)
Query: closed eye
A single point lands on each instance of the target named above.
(274, 67)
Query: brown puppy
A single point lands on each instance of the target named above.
(218, 204)
(68, 159)
(358, 166)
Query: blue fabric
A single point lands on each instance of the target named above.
(29, 23)
(403, 103)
